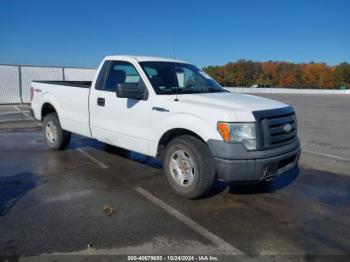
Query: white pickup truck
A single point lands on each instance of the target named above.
(172, 110)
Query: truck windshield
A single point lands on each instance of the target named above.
(171, 78)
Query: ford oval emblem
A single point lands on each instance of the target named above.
(287, 128)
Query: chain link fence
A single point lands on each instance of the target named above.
(15, 79)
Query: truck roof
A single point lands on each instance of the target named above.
(143, 58)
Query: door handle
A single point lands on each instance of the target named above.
(100, 101)
(160, 109)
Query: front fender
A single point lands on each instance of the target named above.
(186, 121)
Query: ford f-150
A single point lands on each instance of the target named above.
(174, 111)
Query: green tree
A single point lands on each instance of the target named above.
(342, 75)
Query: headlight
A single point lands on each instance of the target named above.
(239, 132)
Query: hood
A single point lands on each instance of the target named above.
(232, 101)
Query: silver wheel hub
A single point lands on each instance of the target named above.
(51, 132)
(182, 168)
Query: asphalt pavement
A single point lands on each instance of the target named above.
(55, 202)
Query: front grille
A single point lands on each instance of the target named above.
(271, 127)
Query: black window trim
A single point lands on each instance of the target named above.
(102, 76)
(101, 80)
(142, 65)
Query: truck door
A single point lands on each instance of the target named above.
(122, 122)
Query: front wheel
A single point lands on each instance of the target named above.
(189, 167)
(55, 136)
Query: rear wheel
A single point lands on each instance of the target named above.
(189, 166)
(55, 136)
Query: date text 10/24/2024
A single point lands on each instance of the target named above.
(173, 258)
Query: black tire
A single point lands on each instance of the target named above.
(61, 138)
(203, 172)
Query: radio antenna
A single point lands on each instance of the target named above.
(175, 80)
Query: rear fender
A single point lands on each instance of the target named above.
(47, 98)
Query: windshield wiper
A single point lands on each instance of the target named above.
(215, 90)
(173, 91)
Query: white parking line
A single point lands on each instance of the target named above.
(334, 157)
(222, 245)
(27, 115)
(93, 159)
(225, 247)
(11, 112)
(16, 107)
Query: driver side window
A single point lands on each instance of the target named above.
(120, 72)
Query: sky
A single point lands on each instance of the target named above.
(81, 33)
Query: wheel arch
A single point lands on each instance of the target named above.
(49, 105)
(47, 108)
(170, 135)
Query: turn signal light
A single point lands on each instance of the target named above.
(224, 131)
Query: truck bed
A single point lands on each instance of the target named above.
(82, 84)
(70, 100)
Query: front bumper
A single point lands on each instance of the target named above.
(234, 163)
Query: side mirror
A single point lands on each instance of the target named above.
(135, 91)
